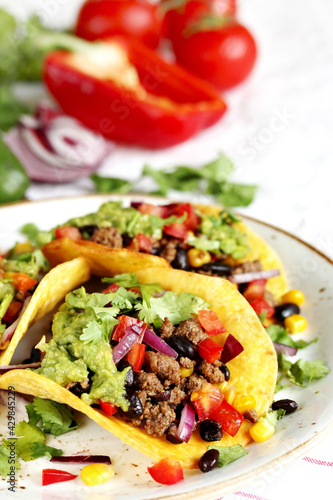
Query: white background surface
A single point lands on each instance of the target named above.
(278, 130)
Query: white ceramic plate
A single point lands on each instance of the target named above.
(307, 269)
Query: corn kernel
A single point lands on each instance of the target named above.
(198, 258)
(261, 431)
(229, 395)
(294, 296)
(186, 372)
(21, 248)
(94, 474)
(295, 323)
(244, 403)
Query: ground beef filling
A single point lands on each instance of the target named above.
(108, 236)
(162, 390)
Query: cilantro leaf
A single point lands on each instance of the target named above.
(27, 434)
(11, 108)
(281, 335)
(301, 372)
(8, 460)
(111, 184)
(99, 329)
(53, 418)
(125, 299)
(80, 299)
(236, 195)
(228, 454)
(129, 280)
(42, 450)
(273, 416)
(177, 307)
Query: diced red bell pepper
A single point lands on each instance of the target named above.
(210, 322)
(108, 408)
(22, 281)
(50, 476)
(68, 232)
(261, 306)
(229, 417)
(255, 289)
(192, 220)
(209, 350)
(112, 288)
(166, 471)
(124, 322)
(206, 400)
(136, 356)
(144, 242)
(159, 210)
(12, 311)
(127, 92)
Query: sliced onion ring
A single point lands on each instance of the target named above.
(186, 424)
(158, 344)
(285, 349)
(239, 278)
(125, 343)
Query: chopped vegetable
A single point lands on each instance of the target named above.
(209, 350)
(11, 108)
(84, 459)
(229, 417)
(231, 349)
(158, 344)
(295, 323)
(94, 474)
(206, 401)
(244, 403)
(14, 179)
(186, 424)
(229, 454)
(210, 322)
(258, 275)
(126, 343)
(166, 471)
(108, 408)
(50, 476)
(136, 356)
(295, 296)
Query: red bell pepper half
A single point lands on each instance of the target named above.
(126, 92)
(50, 476)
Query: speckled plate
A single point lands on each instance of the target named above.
(306, 268)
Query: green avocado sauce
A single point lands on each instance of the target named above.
(68, 359)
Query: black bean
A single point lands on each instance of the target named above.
(78, 390)
(129, 381)
(181, 260)
(209, 460)
(35, 356)
(218, 268)
(283, 311)
(225, 370)
(88, 229)
(135, 409)
(183, 346)
(210, 430)
(163, 396)
(285, 404)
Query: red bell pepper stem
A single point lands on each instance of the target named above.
(168, 106)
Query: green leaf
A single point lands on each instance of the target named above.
(11, 108)
(129, 280)
(99, 329)
(42, 450)
(27, 434)
(177, 307)
(8, 459)
(35, 236)
(273, 416)
(303, 372)
(54, 418)
(125, 299)
(80, 299)
(237, 195)
(111, 184)
(281, 335)
(14, 179)
(218, 170)
(228, 454)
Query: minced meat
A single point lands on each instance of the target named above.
(169, 250)
(192, 383)
(191, 329)
(157, 418)
(176, 396)
(211, 371)
(167, 329)
(165, 367)
(108, 237)
(248, 267)
(149, 383)
(186, 362)
(251, 415)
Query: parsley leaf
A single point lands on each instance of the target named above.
(28, 434)
(51, 417)
(129, 280)
(111, 184)
(281, 335)
(99, 329)
(80, 299)
(228, 454)
(42, 450)
(177, 307)
(301, 372)
(8, 460)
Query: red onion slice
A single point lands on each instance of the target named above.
(231, 349)
(186, 424)
(8, 368)
(83, 459)
(158, 344)
(285, 349)
(9, 332)
(239, 278)
(125, 344)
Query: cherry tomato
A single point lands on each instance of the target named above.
(144, 242)
(166, 471)
(210, 322)
(223, 56)
(111, 289)
(68, 232)
(192, 220)
(103, 18)
(176, 229)
(12, 312)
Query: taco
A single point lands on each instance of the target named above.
(143, 360)
(197, 238)
(26, 296)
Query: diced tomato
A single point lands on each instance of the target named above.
(166, 471)
(145, 242)
(108, 408)
(136, 356)
(176, 229)
(124, 322)
(206, 400)
(209, 350)
(12, 311)
(192, 220)
(255, 289)
(160, 211)
(261, 306)
(68, 232)
(50, 476)
(210, 322)
(229, 417)
(112, 288)
(22, 281)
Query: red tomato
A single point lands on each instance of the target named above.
(206, 400)
(50, 476)
(176, 229)
(108, 408)
(179, 18)
(112, 288)
(166, 471)
(68, 232)
(124, 322)
(229, 417)
(255, 289)
(103, 18)
(209, 350)
(223, 56)
(136, 356)
(23, 282)
(210, 322)
(145, 243)
(12, 311)
(261, 306)
(192, 220)
(159, 210)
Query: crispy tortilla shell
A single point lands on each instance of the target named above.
(253, 372)
(51, 289)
